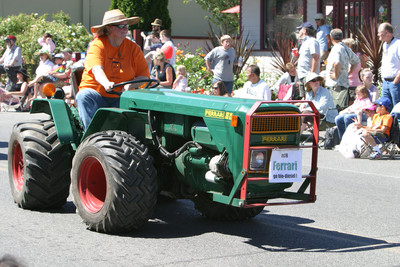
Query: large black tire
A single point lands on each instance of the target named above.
(38, 166)
(221, 212)
(114, 182)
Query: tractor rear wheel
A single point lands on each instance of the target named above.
(38, 166)
(221, 212)
(113, 182)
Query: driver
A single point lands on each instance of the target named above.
(111, 59)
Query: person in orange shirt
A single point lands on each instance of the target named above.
(380, 129)
(111, 59)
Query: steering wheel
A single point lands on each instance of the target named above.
(147, 81)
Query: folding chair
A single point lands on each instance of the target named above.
(6, 104)
(323, 125)
(390, 146)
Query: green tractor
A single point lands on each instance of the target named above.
(231, 156)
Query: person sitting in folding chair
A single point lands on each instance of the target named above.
(380, 129)
(19, 89)
(321, 99)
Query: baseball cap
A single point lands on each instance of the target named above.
(384, 101)
(319, 16)
(10, 37)
(306, 25)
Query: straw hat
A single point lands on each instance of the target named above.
(157, 22)
(112, 17)
(45, 52)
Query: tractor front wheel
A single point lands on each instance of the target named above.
(113, 182)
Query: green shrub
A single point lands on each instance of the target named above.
(147, 10)
(28, 28)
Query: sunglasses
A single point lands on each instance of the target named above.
(121, 26)
(215, 87)
(314, 80)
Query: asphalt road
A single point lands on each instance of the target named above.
(355, 222)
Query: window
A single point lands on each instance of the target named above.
(381, 10)
(281, 17)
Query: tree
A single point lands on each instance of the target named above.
(229, 23)
(147, 10)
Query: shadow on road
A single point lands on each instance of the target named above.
(275, 233)
(269, 232)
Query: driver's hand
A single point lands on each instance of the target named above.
(108, 86)
(128, 87)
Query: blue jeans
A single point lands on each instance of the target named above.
(89, 101)
(228, 85)
(342, 121)
(391, 91)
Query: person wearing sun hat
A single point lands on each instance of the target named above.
(19, 89)
(147, 36)
(111, 59)
(320, 97)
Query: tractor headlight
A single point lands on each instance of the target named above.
(258, 160)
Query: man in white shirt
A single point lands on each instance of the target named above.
(11, 61)
(309, 58)
(254, 88)
(390, 69)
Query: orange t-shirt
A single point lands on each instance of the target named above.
(379, 121)
(120, 64)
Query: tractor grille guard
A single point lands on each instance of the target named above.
(299, 197)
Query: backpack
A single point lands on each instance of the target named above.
(331, 138)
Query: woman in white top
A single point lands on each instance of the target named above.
(45, 65)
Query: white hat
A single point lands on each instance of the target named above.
(311, 76)
(59, 55)
(319, 16)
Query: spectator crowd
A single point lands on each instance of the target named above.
(328, 70)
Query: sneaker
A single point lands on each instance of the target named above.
(375, 155)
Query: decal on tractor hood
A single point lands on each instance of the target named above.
(274, 138)
(218, 114)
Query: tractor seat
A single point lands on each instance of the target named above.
(76, 77)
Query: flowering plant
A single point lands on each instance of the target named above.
(197, 74)
(29, 27)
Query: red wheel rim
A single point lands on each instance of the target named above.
(92, 184)
(18, 166)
